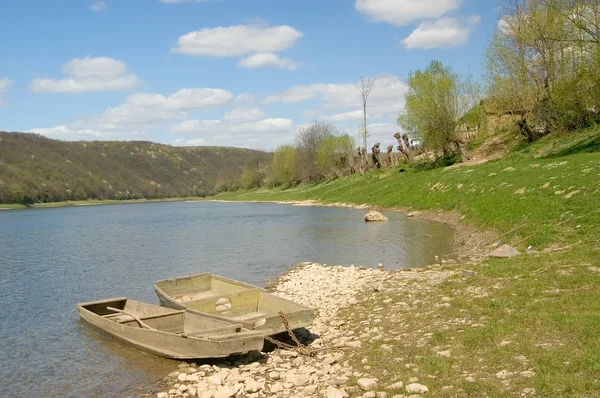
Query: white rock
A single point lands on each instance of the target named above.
(208, 394)
(333, 392)
(182, 377)
(251, 386)
(370, 394)
(395, 386)
(353, 344)
(416, 388)
(162, 395)
(183, 388)
(413, 380)
(375, 216)
(503, 374)
(214, 380)
(367, 384)
(192, 391)
(275, 388)
(505, 251)
(225, 392)
(192, 378)
(274, 375)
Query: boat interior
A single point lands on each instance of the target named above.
(220, 296)
(148, 316)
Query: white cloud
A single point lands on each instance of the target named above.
(387, 95)
(87, 75)
(404, 12)
(346, 116)
(237, 40)
(98, 6)
(148, 109)
(197, 127)
(243, 114)
(140, 113)
(265, 133)
(245, 98)
(4, 85)
(442, 33)
(267, 59)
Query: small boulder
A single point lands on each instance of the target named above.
(416, 388)
(505, 251)
(333, 392)
(375, 216)
(367, 384)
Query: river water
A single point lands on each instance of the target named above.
(51, 259)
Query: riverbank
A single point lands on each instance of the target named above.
(74, 203)
(492, 329)
(528, 325)
(336, 368)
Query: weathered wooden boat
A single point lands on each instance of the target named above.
(176, 334)
(232, 300)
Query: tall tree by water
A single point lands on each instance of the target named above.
(436, 100)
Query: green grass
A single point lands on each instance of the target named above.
(538, 312)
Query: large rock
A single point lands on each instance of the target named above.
(375, 216)
(333, 392)
(505, 251)
(224, 392)
(367, 384)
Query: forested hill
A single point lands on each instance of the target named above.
(34, 168)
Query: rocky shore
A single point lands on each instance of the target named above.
(333, 340)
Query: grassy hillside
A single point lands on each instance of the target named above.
(534, 319)
(39, 169)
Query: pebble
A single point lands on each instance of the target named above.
(333, 392)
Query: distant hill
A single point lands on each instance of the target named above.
(34, 168)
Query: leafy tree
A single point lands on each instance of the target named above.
(285, 162)
(333, 155)
(436, 100)
(308, 140)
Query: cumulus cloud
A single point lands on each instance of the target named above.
(267, 59)
(404, 12)
(442, 33)
(88, 75)
(4, 85)
(265, 133)
(243, 114)
(387, 95)
(140, 113)
(237, 40)
(98, 6)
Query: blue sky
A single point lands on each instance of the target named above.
(223, 72)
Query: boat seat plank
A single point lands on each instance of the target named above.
(232, 327)
(144, 318)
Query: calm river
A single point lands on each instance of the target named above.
(51, 259)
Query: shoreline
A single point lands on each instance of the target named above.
(330, 290)
(470, 243)
(78, 203)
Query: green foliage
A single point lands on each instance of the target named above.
(333, 155)
(544, 64)
(250, 178)
(36, 169)
(436, 100)
(285, 162)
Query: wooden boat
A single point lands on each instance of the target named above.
(232, 300)
(167, 332)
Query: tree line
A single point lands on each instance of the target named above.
(542, 71)
(35, 169)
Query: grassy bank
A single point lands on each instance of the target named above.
(522, 326)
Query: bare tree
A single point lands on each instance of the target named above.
(366, 85)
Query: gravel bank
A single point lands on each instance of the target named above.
(328, 373)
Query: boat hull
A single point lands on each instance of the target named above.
(167, 343)
(228, 299)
